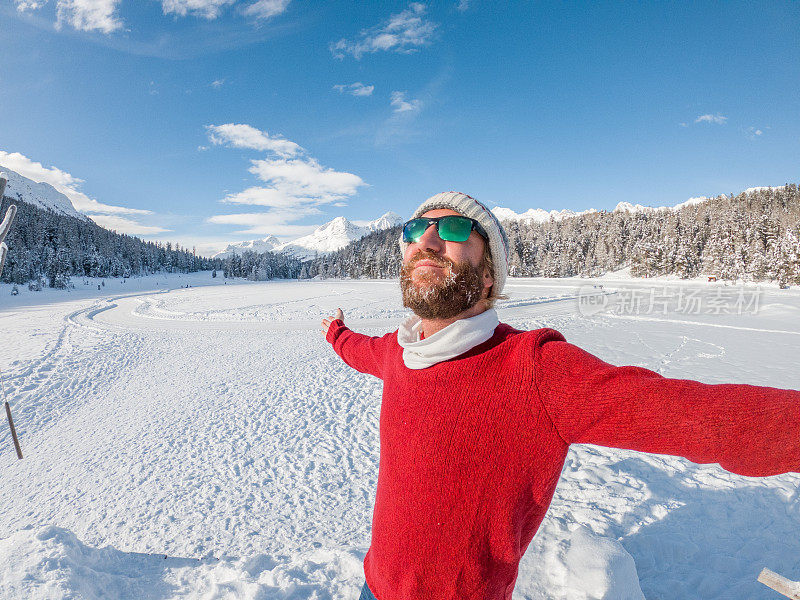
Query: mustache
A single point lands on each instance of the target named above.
(440, 261)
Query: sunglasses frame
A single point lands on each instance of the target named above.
(475, 226)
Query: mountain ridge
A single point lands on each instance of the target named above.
(43, 195)
(328, 237)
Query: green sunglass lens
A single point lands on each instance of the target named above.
(455, 229)
(414, 229)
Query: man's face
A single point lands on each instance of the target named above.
(440, 279)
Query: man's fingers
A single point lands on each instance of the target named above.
(326, 322)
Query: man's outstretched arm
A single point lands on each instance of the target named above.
(747, 429)
(362, 352)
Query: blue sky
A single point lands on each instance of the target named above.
(208, 121)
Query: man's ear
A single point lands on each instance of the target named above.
(488, 281)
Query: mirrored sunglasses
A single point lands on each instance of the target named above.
(451, 228)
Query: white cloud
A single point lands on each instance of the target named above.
(355, 89)
(717, 118)
(23, 5)
(295, 183)
(217, 83)
(266, 9)
(295, 188)
(209, 9)
(245, 136)
(88, 15)
(753, 132)
(37, 171)
(401, 105)
(123, 225)
(404, 32)
(63, 182)
(100, 15)
(305, 180)
(462, 5)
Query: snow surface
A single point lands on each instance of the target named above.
(205, 442)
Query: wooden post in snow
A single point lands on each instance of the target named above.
(779, 583)
(4, 228)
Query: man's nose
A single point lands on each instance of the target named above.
(430, 240)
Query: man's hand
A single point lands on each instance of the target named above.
(326, 322)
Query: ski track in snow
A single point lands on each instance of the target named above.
(207, 442)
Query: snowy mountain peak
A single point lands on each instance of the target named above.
(331, 236)
(328, 237)
(385, 221)
(43, 195)
(338, 226)
(536, 215)
(258, 246)
(628, 207)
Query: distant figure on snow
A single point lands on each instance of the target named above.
(477, 416)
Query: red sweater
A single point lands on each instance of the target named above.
(472, 448)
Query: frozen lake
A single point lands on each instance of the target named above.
(213, 425)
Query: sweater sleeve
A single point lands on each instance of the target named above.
(362, 352)
(747, 429)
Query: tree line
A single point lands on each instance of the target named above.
(47, 248)
(751, 236)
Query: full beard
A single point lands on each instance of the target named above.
(435, 295)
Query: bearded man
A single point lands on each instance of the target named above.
(477, 417)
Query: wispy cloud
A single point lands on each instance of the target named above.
(299, 181)
(266, 9)
(753, 132)
(402, 124)
(101, 15)
(404, 32)
(269, 223)
(24, 5)
(462, 5)
(709, 118)
(123, 225)
(245, 136)
(402, 105)
(63, 182)
(295, 183)
(217, 83)
(209, 9)
(355, 89)
(88, 15)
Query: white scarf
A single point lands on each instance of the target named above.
(455, 339)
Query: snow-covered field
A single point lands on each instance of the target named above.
(205, 442)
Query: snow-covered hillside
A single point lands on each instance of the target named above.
(538, 215)
(331, 236)
(206, 442)
(334, 235)
(266, 244)
(43, 195)
(628, 207)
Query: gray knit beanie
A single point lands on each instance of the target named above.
(469, 207)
